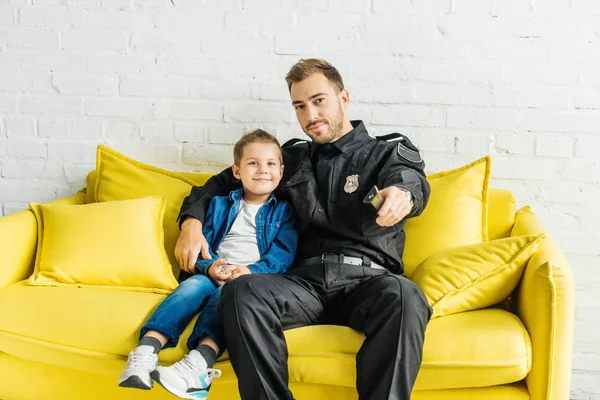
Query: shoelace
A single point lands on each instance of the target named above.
(186, 367)
(137, 360)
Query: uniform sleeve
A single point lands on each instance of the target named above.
(404, 168)
(196, 204)
(208, 229)
(282, 251)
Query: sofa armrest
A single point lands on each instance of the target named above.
(18, 244)
(545, 305)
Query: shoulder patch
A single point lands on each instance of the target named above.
(294, 142)
(408, 154)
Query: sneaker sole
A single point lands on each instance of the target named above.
(134, 382)
(182, 395)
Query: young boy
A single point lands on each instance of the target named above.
(248, 232)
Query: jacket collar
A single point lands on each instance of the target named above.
(347, 143)
(238, 194)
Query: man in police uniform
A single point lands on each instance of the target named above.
(349, 258)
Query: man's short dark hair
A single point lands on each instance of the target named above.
(257, 135)
(306, 67)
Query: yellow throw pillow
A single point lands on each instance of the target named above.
(456, 215)
(120, 178)
(117, 244)
(475, 276)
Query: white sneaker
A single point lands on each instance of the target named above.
(188, 378)
(140, 363)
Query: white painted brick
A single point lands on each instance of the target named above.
(19, 127)
(24, 81)
(561, 122)
(462, 27)
(87, 129)
(222, 90)
(11, 59)
(54, 129)
(274, 91)
(360, 48)
(552, 7)
(589, 381)
(26, 149)
(32, 169)
(308, 5)
(10, 208)
(439, 141)
(474, 144)
(156, 87)
(187, 65)
(343, 26)
(86, 3)
(33, 38)
(385, 93)
(382, 27)
(195, 18)
(586, 7)
(408, 116)
(576, 52)
(574, 242)
(355, 112)
(587, 98)
(559, 218)
(51, 105)
(516, 50)
(259, 4)
(292, 44)
(138, 20)
(85, 84)
(7, 16)
(257, 113)
(8, 103)
(581, 193)
(122, 130)
(118, 4)
(580, 169)
(455, 72)
(492, 118)
(586, 267)
(72, 152)
(47, 2)
(262, 20)
(191, 133)
(154, 4)
(523, 167)
(531, 97)
(549, 74)
(94, 40)
(120, 64)
(587, 147)
(350, 6)
(150, 154)
(76, 174)
(16, 191)
(188, 110)
(548, 27)
(54, 61)
(587, 315)
(437, 93)
(126, 108)
(589, 75)
(207, 155)
(225, 134)
(237, 43)
(514, 144)
(425, 7)
(168, 42)
(483, 7)
(50, 17)
(554, 146)
(153, 132)
(508, 8)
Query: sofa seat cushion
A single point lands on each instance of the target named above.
(93, 329)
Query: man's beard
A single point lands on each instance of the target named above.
(334, 131)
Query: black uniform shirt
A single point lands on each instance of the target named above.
(327, 184)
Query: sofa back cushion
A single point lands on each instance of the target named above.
(501, 213)
(119, 178)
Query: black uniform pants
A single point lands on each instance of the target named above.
(389, 309)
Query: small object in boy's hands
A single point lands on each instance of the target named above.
(223, 267)
(374, 198)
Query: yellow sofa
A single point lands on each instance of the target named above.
(72, 343)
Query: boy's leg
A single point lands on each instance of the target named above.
(163, 329)
(193, 375)
(255, 309)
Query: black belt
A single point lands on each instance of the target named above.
(341, 259)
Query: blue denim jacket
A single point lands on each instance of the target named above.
(275, 234)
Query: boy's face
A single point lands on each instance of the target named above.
(260, 168)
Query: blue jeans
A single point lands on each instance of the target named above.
(177, 310)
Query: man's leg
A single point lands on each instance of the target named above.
(393, 313)
(255, 309)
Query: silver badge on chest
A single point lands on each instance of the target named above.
(351, 184)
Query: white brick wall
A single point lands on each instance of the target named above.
(176, 86)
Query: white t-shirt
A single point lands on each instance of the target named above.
(239, 245)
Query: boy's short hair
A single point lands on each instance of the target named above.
(306, 67)
(257, 135)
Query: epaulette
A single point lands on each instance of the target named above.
(391, 137)
(405, 148)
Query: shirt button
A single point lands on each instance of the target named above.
(320, 210)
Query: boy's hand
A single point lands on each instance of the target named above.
(218, 272)
(190, 243)
(237, 270)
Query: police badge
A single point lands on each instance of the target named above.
(351, 184)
